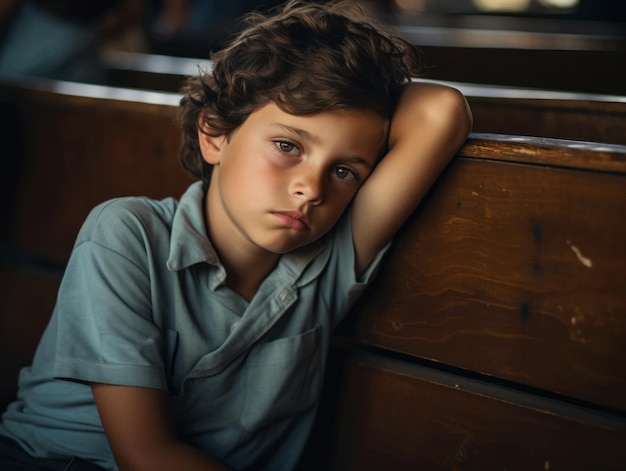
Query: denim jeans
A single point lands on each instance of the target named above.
(14, 458)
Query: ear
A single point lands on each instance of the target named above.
(210, 146)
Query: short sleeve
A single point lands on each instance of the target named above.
(340, 285)
(105, 327)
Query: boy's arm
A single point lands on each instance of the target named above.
(431, 122)
(137, 424)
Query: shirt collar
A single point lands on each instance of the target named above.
(190, 242)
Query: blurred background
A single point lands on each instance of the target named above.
(577, 45)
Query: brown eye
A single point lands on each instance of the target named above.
(345, 174)
(286, 147)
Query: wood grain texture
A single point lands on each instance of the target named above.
(81, 151)
(578, 119)
(595, 156)
(511, 270)
(391, 420)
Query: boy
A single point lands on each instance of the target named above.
(192, 335)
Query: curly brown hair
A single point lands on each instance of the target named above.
(305, 57)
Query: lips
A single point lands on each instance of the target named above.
(292, 219)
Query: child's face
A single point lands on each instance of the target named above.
(282, 181)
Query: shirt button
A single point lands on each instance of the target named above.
(283, 295)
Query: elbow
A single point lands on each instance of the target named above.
(456, 112)
(466, 117)
(441, 109)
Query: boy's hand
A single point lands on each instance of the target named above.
(431, 122)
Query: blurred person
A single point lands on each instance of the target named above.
(62, 39)
(192, 28)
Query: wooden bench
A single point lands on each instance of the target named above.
(493, 338)
(497, 109)
(495, 334)
(83, 144)
(557, 54)
(546, 113)
(150, 71)
(72, 147)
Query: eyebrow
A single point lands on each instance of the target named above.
(302, 133)
(306, 135)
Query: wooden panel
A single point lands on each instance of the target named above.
(393, 420)
(83, 150)
(579, 71)
(28, 297)
(511, 270)
(151, 71)
(573, 118)
(546, 152)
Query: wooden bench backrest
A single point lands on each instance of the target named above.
(541, 113)
(495, 334)
(84, 145)
(497, 109)
(580, 56)
(519, 250)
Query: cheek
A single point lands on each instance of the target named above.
(265, 175)
(251, 176)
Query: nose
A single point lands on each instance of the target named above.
(308, 185)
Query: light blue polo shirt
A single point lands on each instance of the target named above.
(143, 303)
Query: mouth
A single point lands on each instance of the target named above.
(292, 219)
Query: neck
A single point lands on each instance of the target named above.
(246, 265)
(248, 284)
(245, 273)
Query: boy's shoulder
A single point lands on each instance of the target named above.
(132, 224)
(122, 219)
(126, 209)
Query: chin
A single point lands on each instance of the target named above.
(283, 247)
